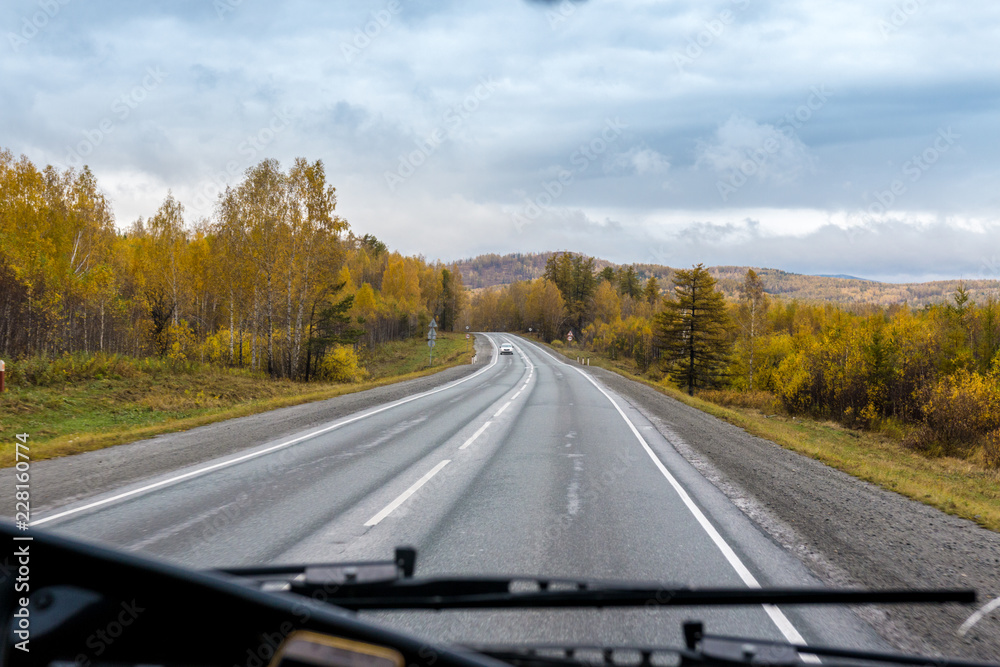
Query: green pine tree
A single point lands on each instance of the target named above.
(692, 331)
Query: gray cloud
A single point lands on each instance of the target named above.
(233, 75)
(761, 151)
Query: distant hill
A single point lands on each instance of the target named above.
(490, 270)
(843, 275)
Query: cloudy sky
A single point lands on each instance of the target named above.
(858, 137)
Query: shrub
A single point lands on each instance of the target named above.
(215, 347)
(961, 410)
(991, 448)
(340, 364)
(558, 344)
(179, 342)
(796, 381)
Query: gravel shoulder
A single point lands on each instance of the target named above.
(848, 532)
(57, 482)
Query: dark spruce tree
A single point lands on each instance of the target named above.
(692, 331)
(574, 276)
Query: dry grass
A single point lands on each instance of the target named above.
(763, 401)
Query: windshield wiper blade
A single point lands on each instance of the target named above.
(701, 650)
(494, 593)
(390, 585)
(718, 651)
(719, 646)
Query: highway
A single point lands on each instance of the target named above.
(526, 466)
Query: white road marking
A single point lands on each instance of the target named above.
(978, 616)
(785, 626)
(388, 509)
(517, 394)
(475, 435)
(246, 457)
(497, 414)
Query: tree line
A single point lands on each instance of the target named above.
(936, 367)
(273, 281)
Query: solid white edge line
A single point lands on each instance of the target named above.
(401, 498)
(246, 457)
(778, 617)
(978, 616)
(475, 435)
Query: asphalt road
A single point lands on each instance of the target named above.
(527, 466)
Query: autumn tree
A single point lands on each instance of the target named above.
(231, 241)
(545, 308)
(988, 336)
(485, 310)
(313, 252)
(751, 315)
(57, 234)
(607, 304)
(167, 240)
(248, 287)
(692, 330)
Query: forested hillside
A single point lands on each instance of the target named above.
(853, 290)
(934, 369)
(274, 281)
(492, 269)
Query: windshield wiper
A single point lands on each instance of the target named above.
(701, 649)
(387, 585)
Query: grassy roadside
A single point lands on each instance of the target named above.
(101, 412)
(952, 485)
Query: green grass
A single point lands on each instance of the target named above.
(135, 399)
(953, 485)
(410, 356)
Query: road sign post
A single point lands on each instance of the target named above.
(431, 337)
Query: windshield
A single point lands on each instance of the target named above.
(702, 294)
